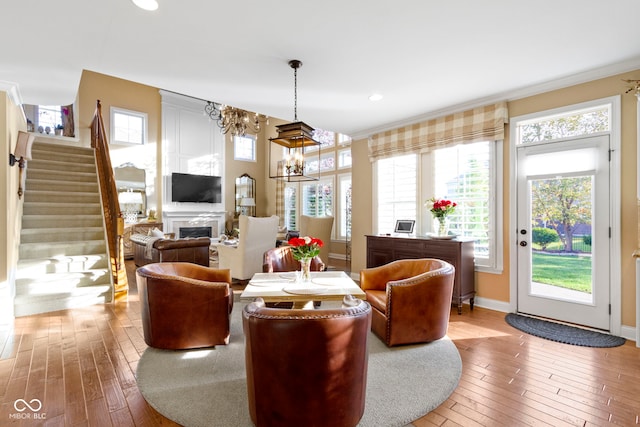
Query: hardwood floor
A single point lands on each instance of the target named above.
(81, 363)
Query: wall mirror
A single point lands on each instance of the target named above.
(132, 191)
(245, 195)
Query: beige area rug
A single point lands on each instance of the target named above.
(208, 387)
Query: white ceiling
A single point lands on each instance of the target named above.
(423, 56)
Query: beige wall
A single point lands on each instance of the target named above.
(11, 121)
(496, 286)
(114, 92)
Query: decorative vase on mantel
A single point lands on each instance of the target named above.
(305, 268)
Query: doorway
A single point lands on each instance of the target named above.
(563, 228)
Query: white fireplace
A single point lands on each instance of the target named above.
(174, 220)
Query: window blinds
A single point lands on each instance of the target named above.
(478, 124)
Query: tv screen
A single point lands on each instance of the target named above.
(196, 188)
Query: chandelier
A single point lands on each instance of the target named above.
(297, 140)
(233, 120)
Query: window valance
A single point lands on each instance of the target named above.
(479, 124)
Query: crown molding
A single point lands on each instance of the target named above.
(511, 95)
(12, 91)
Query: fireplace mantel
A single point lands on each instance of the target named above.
(173, 220)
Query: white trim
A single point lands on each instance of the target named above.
(615, 195)
(492, 304)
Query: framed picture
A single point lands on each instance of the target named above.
(404, 226)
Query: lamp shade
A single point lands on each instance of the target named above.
(247, 201)
(130, 197)
(23, 146)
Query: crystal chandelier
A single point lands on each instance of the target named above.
(233, 120)
(297, 140)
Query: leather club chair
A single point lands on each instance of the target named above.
(306, 367)
(184, 305)
(281, 259)
(410, 299)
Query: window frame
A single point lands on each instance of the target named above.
(239, 138)
(494, 262)
(131, 113)
(424, 219)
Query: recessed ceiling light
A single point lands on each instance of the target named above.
(375, 97)
(146, 4)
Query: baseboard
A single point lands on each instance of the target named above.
(492, 304)
(629, 333)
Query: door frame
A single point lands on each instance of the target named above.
(614, 214)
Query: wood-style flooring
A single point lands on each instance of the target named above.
(81, 363)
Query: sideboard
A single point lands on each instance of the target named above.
(458, 252)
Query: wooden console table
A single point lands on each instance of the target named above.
(458, 252)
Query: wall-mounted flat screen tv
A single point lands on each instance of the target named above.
(196, 188)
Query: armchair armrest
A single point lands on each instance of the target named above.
(376, 278)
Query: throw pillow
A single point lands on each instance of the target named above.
(156, 232)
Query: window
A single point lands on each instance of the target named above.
(465, 174)
(344, 158)
(327, 163)
(326, 138)
(344, 206)
(468, 174)
(128, 127)
(291, 206)
(569, 124)
(317, 198)
(244, 148)
(397, 180)
(50, 119)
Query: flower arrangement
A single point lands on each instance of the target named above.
(440, 208)
(305, 247)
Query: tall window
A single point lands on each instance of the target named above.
(464, 174)
(344, 206)
(397, 181)
(291, 206)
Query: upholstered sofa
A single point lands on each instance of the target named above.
(151, 249)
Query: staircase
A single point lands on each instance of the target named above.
(63, 260)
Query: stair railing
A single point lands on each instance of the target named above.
(114, 221)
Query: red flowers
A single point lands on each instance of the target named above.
(440, 208)
(305, 247)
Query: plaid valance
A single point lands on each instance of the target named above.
(479, 124)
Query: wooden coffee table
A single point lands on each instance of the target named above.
(282, 287)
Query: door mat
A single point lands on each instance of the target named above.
(562, 333)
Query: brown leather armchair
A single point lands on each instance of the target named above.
(184, 305)
(306, 367)
(410, 298)
(281, 259)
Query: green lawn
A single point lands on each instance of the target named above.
(565, 271)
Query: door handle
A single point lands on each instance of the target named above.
(523, 243)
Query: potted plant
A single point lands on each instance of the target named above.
(58, 130)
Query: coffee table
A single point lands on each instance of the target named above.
(282, 287)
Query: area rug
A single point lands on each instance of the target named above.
(562, 333)
(208, 387)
